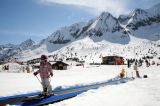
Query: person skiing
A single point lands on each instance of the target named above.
(45, 72)
(128, 63)
(135, 67)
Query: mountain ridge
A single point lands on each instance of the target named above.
(141, 23)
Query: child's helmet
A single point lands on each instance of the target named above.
(43, 57)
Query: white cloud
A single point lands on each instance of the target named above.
(18, 32)
(97, 6)
(116, 7)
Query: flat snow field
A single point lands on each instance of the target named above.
(139, 92)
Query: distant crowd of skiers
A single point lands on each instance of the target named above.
(139, 62)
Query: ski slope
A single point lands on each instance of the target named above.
(140, 92)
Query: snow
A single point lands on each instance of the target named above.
(91, 51)
(139, 92)
(13, 67)
(151, 32)
(62, 78)
(104, 22)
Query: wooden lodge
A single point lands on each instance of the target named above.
(112, 60)
(59, 65)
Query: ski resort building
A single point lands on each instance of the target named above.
(59, 65)
(113, 60)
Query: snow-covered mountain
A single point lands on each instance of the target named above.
(27, 44)
(142, 23)
(102, 27)
(106, 27)
(9, 50)
(105, 34)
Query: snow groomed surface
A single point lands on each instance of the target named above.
(60, 94)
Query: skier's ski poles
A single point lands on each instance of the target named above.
(39, 80)
(50, 79)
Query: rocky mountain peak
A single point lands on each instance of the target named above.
(105, 15)
(26, 44)
(104, 23)
(138, 11)
(140, 18)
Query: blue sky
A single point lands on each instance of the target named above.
(37, 19)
